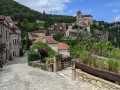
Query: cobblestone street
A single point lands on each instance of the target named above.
(17, 75)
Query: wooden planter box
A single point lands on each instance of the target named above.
(98, 72)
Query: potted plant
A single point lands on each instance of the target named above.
(51, 60)
(74, 57)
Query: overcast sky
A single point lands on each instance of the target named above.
(107, 10)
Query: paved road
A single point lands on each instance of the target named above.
(17, 75)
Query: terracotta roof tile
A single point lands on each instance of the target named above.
(38, 31)
(2, 17)
(49, 39)
(87, 16)
(63, 46)
(16, 23)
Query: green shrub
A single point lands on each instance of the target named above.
(94, 62)
(84, 59)
(33, 56)
(1, 62)
(43, 67)
(113, 65)
(21, 52)
(50, 51)
(101, 64)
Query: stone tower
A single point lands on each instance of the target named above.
(79, 16)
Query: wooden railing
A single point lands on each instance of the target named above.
(97, 72)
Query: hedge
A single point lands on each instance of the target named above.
(33, 56)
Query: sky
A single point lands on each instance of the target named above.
(101, 10)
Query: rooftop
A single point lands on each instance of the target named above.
(63, 46)
(48, 39)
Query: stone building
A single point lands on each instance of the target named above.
(4, 38)
(15, 37)
(38, 33)
(11, 36)
(81, 19)
(62, 48)
(59, 28)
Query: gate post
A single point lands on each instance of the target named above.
(55, 64)
(73, 70)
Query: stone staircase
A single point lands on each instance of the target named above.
(66, 73)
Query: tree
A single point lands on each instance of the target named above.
(58, 37)
(27, 43)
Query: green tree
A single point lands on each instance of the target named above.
(58, 37)
(27, 43)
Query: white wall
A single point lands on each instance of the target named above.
(40, 34)
(3, 30)
(64, 52)
(54, 46)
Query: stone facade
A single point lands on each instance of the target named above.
(86, 19)
(11, 36)
(96, 81)
(14, 45)
(64, 52)
(4, 35)
(103, 84)
(32, 34)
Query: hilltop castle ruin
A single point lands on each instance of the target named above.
(84, 19)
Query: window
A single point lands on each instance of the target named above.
(15, 41)
(6, 34)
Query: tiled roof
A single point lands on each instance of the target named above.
(16, 23)
(49, 39)
(9, 19)
(38, 31)
(87, 16)
(2, 17)
(63, 46)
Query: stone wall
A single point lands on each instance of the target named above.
(104, 84)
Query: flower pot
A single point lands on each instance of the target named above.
(74, 57)
(51, 61)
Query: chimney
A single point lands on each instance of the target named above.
(44, 39)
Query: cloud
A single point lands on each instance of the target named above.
(112, 5)
(116, 10)
(45, 5)
(70, 11)
(117, 18)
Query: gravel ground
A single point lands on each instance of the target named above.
(17, 75)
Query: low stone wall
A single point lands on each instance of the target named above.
(104, 84)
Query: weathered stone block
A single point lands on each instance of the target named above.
(93, 82)
(99, 84)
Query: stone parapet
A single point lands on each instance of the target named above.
(85, 77)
